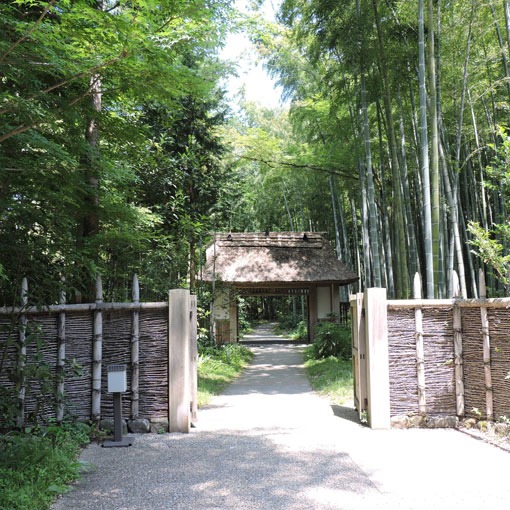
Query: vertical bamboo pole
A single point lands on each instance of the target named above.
(458, 348)
(193, 351)
(135, 351)
(22, 355)
(420, 348)
(97, 351)
(486, 348)
(61, 355)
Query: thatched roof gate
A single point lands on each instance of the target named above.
(276, 263)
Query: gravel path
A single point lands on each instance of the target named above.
(270, 443)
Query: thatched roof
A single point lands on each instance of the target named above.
(275, 258)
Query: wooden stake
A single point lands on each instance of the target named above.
(97, 352)
(61, 355)
(486, 348)
(420, 348)
(22, 356)
(135, 348)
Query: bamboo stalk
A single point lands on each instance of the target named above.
(20, 420)
(438, 303)
(82, 307)
(420, 350)
(97, 348)
(61, 356)
(486, 349)
(135, 351)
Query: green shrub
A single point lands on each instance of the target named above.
(301, 331)
(332, 339)
(38, 464)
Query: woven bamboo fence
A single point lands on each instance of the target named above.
(447, 358)
(465, 357)
(53, 360)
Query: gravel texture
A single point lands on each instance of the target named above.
(270, 443)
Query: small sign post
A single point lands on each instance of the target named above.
(117, 384)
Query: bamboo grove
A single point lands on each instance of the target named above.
(400, 111)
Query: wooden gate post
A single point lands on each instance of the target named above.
(193, 338)
(378, 379)
(359, 354)
(179, 361)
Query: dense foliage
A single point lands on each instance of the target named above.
(109, 150)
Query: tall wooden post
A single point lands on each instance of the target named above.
(97, 352)
(193, 348)
(378, 379)
(135, 347)
(178, 361)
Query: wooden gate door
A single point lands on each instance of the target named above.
(359, 362)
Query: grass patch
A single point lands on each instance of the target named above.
(218, 367)
(37, 466)
(330, 377)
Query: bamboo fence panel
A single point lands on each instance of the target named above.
(116, 350)
(439, 361)
(41, 351)
(499, 321)
(79, 335)
(474, 375)
(153, 363)
(402, 362)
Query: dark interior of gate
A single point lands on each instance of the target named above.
(299, 264)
